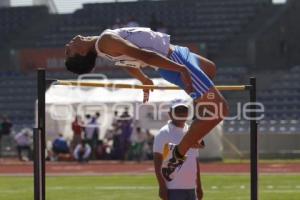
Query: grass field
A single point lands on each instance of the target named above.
(216, 187)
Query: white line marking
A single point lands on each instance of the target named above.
(284, 187)
(229, 187)
(126, 187)
(214, 187)
(281, 191)
(270, 186)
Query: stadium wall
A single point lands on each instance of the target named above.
(277, 44)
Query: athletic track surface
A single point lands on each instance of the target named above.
(16, 168)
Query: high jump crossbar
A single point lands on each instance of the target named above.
(82, 83)
(40, 130)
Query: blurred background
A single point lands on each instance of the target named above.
(243, 37)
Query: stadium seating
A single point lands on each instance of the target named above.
(283, 98)
(16, 20)
(282, 106)
(209, 22)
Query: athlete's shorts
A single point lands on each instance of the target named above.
(180, 194)
(201, 82)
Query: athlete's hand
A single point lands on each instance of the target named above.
(163, 192)
(199, 192)
(147, 91)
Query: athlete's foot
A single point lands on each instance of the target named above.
(171, 161)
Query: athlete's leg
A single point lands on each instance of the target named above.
(210, 109)
(206, 98)
(202, 71)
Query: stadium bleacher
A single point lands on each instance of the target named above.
(14, 21)
(282, 106)
(283, 98)
(213, 21)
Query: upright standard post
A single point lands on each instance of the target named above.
(39, 139)
(253, 141)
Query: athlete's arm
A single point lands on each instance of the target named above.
(158, 159)
(137, 73)
(116, 46)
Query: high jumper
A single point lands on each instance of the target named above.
(134, 48)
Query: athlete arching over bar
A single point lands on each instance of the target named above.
(134, 48)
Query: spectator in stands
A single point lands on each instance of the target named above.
(77, 131)
(116, 152)
(24, 142)
(96, 123)
(59, 147)
(89, 129)
(149, 145)
(6, 126)
(82, 152)
(157, 25)
(87, 132)
(5, 132)
(100, 150)
(153, 24)
(187, 183)
(114, 135)
(125, 115)
(118, 24)
(92, 131)
(162, 28)
(115, 120)
(138, 140)
(132, 22)
(126, 130)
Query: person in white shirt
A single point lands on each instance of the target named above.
(82, 152)
(24, 141)
(92, 131)
(90, 127)
(187, 184)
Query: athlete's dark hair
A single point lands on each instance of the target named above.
(81, 64)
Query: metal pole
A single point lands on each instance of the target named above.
(39, 139)
(253, 141)
(37, 166)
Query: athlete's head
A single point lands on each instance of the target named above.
(80, 56)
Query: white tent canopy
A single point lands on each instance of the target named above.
(74, 94)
